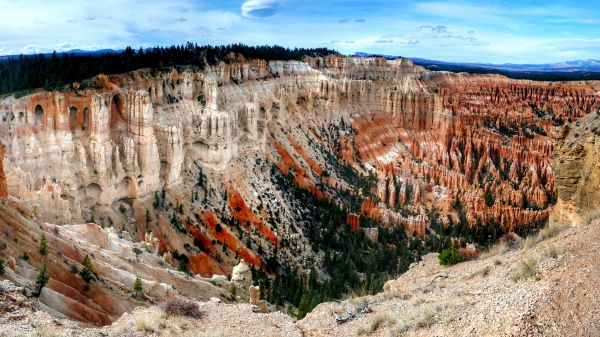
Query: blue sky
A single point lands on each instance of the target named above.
(473, 31)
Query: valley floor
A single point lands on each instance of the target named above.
(549, 287)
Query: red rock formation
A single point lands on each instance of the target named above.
(354, 221)
(3, 188)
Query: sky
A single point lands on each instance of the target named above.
(494, 31)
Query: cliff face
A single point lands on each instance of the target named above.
(205, 160)
(3, 189)
(575, 161)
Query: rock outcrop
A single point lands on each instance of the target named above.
(577, 170)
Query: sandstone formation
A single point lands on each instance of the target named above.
(184, 164)
(577, 170)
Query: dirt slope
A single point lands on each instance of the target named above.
(557, 295)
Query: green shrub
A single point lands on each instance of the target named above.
(450, 256)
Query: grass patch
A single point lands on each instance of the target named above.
(553, 251)
(379, 321)
(146, 325)
(544, 234)
(421, 317)
(493, 250)
(527, 269)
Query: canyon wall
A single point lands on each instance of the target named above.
(192, 164)
(577, 170)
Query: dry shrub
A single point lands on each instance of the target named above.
(378, 321)
(179, 305)
(545, 233)
(145, 325)
(469, 253)
(511, 241)
(420, 317)
(553, 251)
(528, 268)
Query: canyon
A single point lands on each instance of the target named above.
(240, 163)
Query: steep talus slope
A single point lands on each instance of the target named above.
(323, 175)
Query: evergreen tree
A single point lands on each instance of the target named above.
(87, 272)
(182, 267)
(2, 271)
(138, 286)
(233, 292)
(41, 279)
(137, 252)
(43, 245)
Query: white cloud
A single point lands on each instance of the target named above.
(259, 8)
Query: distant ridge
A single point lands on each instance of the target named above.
(73, 52)
(562, 71)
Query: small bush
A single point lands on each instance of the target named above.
(511, 241)
(553, 251)
(377, 322)
(450, 256)
(145, 325)
(469, 254)
(528, 268)
(178, 305)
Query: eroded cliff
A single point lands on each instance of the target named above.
(286, 165)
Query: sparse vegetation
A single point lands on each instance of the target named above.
(527, 269)
(233, 292)
(43, 245)
(422, 316)
(145, 325)
(87, 272)
(137, 252)
(41, 279)
(379, 321)
(138, 287)
(545, 233)
(178, 305)
(553, 250)
(450, 256)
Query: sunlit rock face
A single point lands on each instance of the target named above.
(195, 157)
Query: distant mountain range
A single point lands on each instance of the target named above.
(568, 70)
(75, 52)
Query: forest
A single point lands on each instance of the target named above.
(23, 73)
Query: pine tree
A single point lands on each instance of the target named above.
(87, 272)
(138, 286)
(2, 267)
(233, 292)
(182, 267)
(137, 252)
(43, 245)
(41, 279)
(148, 217)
